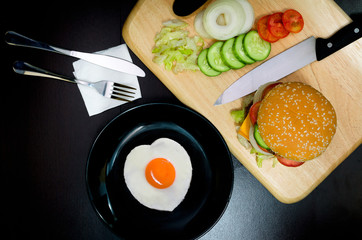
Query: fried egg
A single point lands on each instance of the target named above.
(158, 175)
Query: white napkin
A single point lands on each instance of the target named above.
(94, 102)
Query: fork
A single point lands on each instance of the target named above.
(107, 89)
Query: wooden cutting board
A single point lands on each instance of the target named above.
(338, 77)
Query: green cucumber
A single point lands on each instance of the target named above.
(228, 56)
(214, 58)
(258, 138)
(238, 49)
(256, 48)
(204, 65)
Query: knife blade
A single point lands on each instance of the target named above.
(289, 61)
(114, 63)
(106, 61)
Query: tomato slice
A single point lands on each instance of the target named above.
(288, 162)
(254, 112)
(268, 89)
(275, 25)
(262, 26)
(293, 21)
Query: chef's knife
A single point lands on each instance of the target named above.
(106, 61)
(289, 61)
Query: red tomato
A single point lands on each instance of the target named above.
(268, 88)
(288, 162)
(276, 27)
(292, 21)
(254, 112)
(262, 26)
(265, 150)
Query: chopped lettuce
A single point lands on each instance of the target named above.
(261, 157)
(175, 49)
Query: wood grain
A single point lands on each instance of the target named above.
(338, 77)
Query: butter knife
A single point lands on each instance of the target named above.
(110, 62)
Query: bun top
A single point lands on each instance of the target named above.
(296, 121)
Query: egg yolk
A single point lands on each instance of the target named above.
(160, 173)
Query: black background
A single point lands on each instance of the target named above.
(47, 134)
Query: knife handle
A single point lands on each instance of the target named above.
(342, 38)
(17, 39)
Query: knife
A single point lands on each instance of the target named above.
(106, 61)
(289, 61)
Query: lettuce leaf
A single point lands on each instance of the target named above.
(238, 115)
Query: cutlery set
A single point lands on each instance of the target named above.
(107, 89)
(292, 59)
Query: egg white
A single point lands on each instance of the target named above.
(166, 199)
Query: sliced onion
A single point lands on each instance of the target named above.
(249, 16)
(199, 26)
(254, 144)
(221, 20)
(234, 16)
(244, 142)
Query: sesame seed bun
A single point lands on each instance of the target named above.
(296, 121)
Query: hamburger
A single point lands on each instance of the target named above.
(291, 121)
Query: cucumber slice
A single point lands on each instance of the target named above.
(214, 58)
(204, 65)
(228, 56)
(238, 49)
(258, 138)
(256, 48)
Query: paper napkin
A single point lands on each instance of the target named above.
(94, 102)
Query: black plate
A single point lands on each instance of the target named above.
(211, 183)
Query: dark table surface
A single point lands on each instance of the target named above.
(47, 134)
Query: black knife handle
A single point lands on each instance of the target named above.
(342, 38)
